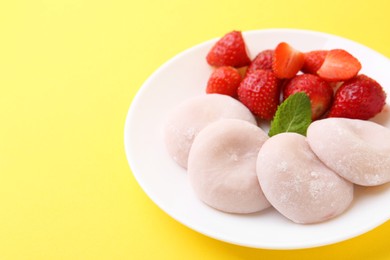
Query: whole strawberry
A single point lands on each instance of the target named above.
(260, 92)
(230, 50)
(224, 80)
(318, 90)
(262, 61)
(313, 61)
(359, 98)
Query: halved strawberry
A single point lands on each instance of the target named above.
(263, 61)
(287, 61)
(339, 65)
(230, 50)
(224, 80)
(359, 98)
(318, 90)
(260, 92)
(313, 61)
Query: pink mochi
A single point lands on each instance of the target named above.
(222, 166)
(358, 150)
(193, 115)
(298, 184)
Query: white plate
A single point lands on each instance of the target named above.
(166, 184)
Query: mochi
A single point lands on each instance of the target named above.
(297, 183)
(191, 116)
(358, 150)
(222, 166)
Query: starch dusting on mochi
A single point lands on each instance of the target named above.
(297, 183)
(358, 150)
(222, 166)
(193, 115)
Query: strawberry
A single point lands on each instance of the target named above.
(260, 92)
(313, 61)
(287, 61)
(339, 65)
(224, 80)
(318, 90)
(230, 50)
(262, 61)
(359, 98)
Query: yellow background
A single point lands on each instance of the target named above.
(69, 70)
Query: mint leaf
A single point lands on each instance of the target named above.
(293, 115)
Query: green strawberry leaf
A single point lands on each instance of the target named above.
(293, 115)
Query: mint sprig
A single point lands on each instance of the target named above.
(293, 115)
